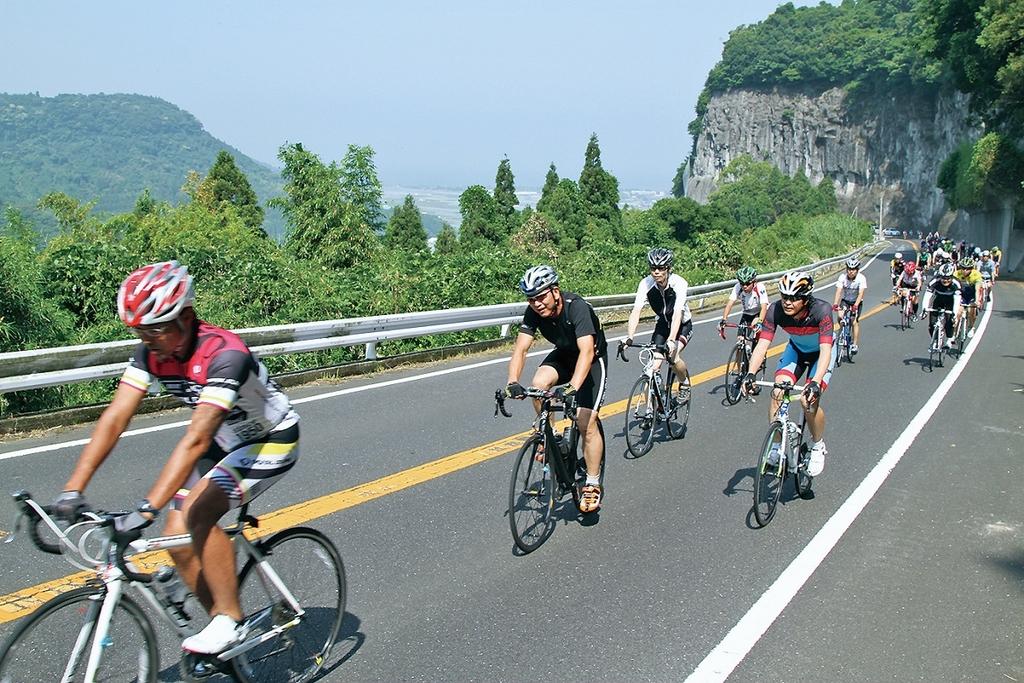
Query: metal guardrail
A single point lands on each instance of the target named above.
(39, 368)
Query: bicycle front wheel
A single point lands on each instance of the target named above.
(641, 415)
(769, 477)
(680, 396)
(734, 373)
(310, 567)
(53, 643)
(531, 498)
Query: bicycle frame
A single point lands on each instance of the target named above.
(563, 463)
(115, 571)
(782, 416)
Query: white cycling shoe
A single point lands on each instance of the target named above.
(816, 464)
(221, 633)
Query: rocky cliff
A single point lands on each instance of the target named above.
(885, 146)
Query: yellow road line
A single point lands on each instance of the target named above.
(20, 603)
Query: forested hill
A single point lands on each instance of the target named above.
(108, 149)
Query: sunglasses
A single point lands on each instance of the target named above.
(149, 333)
(658, 269)
(792, 297)
(540, 297)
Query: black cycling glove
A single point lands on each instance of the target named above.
(515, 390)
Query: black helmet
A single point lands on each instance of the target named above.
(660, 258)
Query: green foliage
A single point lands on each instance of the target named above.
(447, 241)
(109, 148)
(536, 240)
(323, 226)
(226, 185)
(989, 169)
(405, 233)
(981, 44)
(360, 187)
(550, 183)
(679, 180)
(505, 195)
(599, 189)
(481, 223)
(567, 214)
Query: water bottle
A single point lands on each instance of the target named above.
(175, 591)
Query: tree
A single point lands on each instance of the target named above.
(360, 186)
(505, 194)
(679, 180)
(323, 227)
(447, 241)
(599, 189)
(226, 184)
(550, 183)
(69, 212)
(536, 239)
(404, 232)
(567, 212)
(480, 220)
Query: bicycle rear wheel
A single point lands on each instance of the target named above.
(735, 370)
(311, 568)
(641, 416)
(680, 396)
(768, 478)
(54, 642)
(531, 498)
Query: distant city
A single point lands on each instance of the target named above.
(444, 202)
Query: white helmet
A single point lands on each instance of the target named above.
(537, 280)
(155, 294)
(899, 256)
(796, 283)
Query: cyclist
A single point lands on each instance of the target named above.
(970, 292)
(944, 292)
(578, 364)
(751, 294)
(997, 256)
(910, 282)
(850, 290)
(987, 269)
(243, 437)
(808, 320)
(665, 291)
(895, 269)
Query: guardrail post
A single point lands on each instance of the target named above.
(371, 351)
(504, 330)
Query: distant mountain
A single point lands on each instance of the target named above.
(109, 148)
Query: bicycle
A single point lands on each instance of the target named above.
(738, 364)
(794, 455)
(961, 329)
(98, 632)
(653, 400)
(906, 309)
(938, 345)
(845, 337)
(545, 470)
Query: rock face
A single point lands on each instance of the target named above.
(886, 146)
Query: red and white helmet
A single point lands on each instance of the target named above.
(155, 294)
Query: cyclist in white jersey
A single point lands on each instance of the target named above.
(665, 291)
(751, 294)
(850, 289)
(243, 437)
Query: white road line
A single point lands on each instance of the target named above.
(721, 661)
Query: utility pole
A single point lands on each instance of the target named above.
(881, 201)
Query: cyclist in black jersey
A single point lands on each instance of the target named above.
(943, 293)
(665, 292)
(243, 437)
(578, 365)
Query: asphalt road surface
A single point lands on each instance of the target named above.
(907, 564)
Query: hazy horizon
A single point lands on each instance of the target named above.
(442, 93)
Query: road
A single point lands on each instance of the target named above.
(408, 472)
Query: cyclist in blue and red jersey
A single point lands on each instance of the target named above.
(243, 437)
(808, 320)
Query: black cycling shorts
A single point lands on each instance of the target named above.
(591, 394)
(660, 335)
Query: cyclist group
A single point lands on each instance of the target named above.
(244, 434)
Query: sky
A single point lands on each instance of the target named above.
(442, 91)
